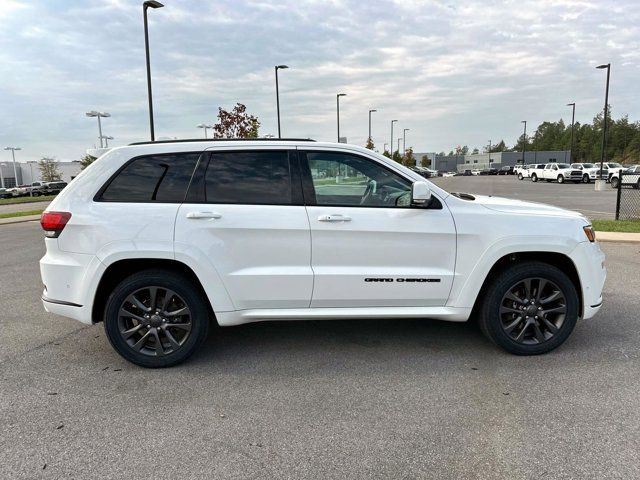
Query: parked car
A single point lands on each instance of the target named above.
(612, 167)
(506, 170)
(53, 188)
(449, 174)
(560, 172)
(489, 171)
(590, 171)
(6, 193)
(630, 177)
(467, 173)
(158, 240)
(475, 172)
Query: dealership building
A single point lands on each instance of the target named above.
(29, 172)
(481, 161)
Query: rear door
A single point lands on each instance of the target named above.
(245, 219)
(369, 246)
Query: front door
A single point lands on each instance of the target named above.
(370, 247)
(245, 220)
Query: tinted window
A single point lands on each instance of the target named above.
(343, 179)
(156, 178)
(255, 178)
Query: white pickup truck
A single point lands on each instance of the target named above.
(560, 172)
(630, 177)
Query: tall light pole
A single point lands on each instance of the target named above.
(573, 121)
(404, 140)
(13, 154)
(489, 153)
(1, 176)
(279, 67)
(384, 149)
(338, 111)
(370, 112)
(94, 113)
(606, 110)
(399, 138)
(524, 140)
(145, 6)
(205, 126)
(391, 141)
(106, 140)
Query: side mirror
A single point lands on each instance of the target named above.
(420, 193)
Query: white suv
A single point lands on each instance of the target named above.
(157, 240)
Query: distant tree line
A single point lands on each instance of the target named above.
(623, 140)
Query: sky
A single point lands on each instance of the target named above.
(453, 72)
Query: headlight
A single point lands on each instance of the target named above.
(590, 233)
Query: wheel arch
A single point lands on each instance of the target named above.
(121, 269)
(558, 260)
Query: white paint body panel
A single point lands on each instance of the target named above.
(278, 262)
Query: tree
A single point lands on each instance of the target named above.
(236, 124)
(408, 160)
(425, 160)
(397, 157)
(86, 161)
(475, 151)
(386, 153)
(49, 171)
(370, 144)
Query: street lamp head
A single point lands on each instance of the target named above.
(393, 121)
(92, 113)
(374, 110)
(523, 121)
(407, 129)
(606, 65)
(571, 104)
(152, 4)
(281, 67)
(13, 148)
(341, 95)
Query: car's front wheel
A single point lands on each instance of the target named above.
(585, 178)
(560, 179)
(529, 309)
(156, 318)
(614, 182)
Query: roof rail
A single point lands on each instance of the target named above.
(187, 140)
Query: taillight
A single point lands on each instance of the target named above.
(53, 223)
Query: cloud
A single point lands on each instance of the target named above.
(455, 73)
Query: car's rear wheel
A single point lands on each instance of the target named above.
(534, 177)
(156, 318)
(529, 309)
(560, 179)
(614, 182)
(520, 177)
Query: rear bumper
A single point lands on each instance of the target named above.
(71, 310)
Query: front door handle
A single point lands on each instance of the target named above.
(198, 215)
(334, 218)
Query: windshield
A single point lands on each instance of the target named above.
(563, 165)
(614, 165)
(588, 165)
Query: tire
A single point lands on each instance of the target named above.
(175, 346)
(520, 177)
(560, 179)
(637, 185)
(534, 177)
(536, 336)
(614, 182)
(586, 179)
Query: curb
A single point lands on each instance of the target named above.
(617, 237)
(26, 218)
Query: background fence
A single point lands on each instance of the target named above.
(628, 204)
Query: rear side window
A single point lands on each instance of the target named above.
(154, 178)
(250, 178)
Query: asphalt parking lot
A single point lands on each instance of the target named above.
(581, 197)
(337, 399)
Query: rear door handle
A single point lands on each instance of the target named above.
(198, 215)
(334, 218)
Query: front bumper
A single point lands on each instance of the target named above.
(589, 261)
